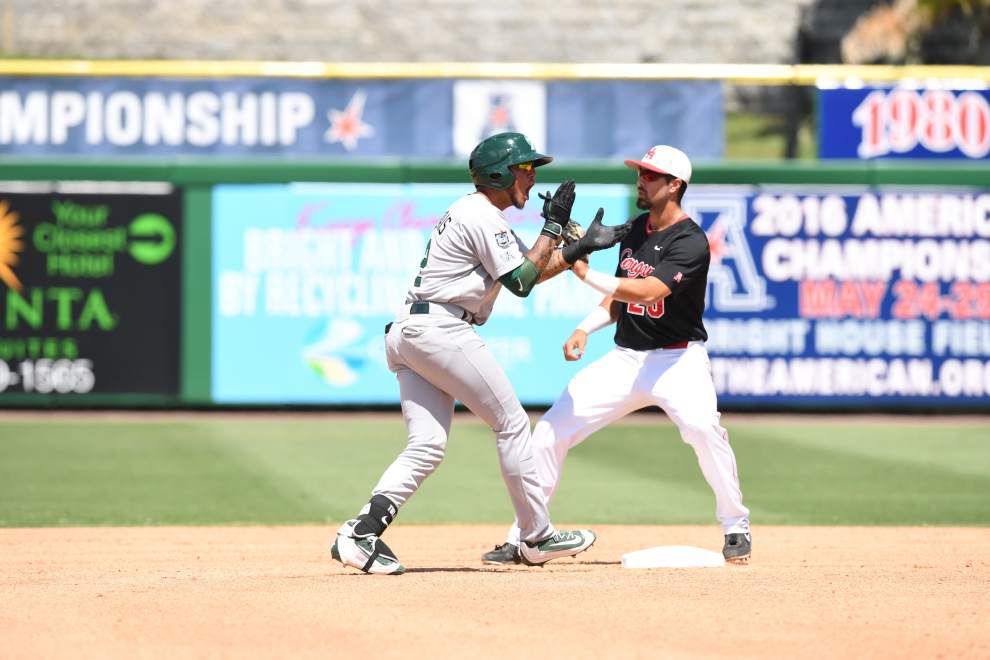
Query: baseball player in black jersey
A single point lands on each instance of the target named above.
(656, 299)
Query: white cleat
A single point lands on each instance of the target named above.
(561, 544)
(365, 553)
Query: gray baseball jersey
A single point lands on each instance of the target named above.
(470, 248)
(438, 358)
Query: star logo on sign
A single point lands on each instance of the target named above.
(346, 126)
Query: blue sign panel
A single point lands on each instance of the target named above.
(163, 116)
(427, 118)
(305, 276)
(818, 296)
(615, 118)
(839, 296)
(903, 123)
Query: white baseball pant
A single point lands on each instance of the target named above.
(624, 380)
(438, 358)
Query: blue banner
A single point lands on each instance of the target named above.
(612, 119)
(158, 116)
(305, 277)
(903, 123)
(430, 118)
(823, 296)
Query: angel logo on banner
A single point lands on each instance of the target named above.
(486, 107)
(499, 116)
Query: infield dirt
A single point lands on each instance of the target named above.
(275, 592)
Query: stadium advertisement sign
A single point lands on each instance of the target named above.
(89, 288)
(818, 296)
(305, 276)
(836, 296)
(904, 123)
(342, 118)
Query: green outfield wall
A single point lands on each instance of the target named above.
(194, 181)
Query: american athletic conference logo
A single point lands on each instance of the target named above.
(734, 280)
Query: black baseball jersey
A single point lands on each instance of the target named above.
(679, 257)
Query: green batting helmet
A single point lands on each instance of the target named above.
(490, 160)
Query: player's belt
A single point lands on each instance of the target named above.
(446, 309)
(680, 344)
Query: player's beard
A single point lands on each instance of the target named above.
(641, 201)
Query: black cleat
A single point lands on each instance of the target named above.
(502, 555)
(737, 548)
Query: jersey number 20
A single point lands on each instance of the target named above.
(654, 311)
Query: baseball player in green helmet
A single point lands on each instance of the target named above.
(438, 358)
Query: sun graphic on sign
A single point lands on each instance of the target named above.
(10, 245)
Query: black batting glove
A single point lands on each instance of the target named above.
(557, 210)
(597, 237)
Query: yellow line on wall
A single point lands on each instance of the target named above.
(762, 74)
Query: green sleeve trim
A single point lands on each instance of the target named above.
(521, 280)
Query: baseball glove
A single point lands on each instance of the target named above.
(557, 210)
(597, 237)
(573, 232)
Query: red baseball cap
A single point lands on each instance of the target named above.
(665, 160)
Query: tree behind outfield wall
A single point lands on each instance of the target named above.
(921, 32)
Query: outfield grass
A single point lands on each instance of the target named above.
(271, 470)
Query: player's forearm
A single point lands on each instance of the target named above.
(521, 280)
(540, 253)
(555, 266)
(645, 291)
(642, 291)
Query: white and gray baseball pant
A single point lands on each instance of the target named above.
(438, 358)
(624, 380)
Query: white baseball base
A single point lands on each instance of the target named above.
(673, 556)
